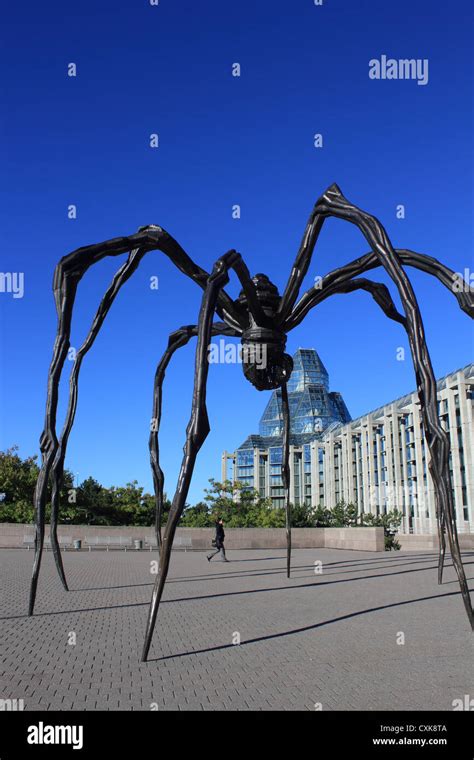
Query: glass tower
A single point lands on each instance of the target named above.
(312, 406)
(313, 409)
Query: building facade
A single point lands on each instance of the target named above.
(378, 462)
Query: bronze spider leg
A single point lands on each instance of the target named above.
(57, 470)
(67, 275)
(285, 472)
(330, 284)
(333, 203)
(464, 296)
(381, 295)
(198, 426)
(176, 340)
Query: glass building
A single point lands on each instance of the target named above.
(378, 462)
(313, 410)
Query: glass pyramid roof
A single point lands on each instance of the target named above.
(308, 369)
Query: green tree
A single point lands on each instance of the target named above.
(118, 505)
(343, 515)
(322, 517)
(17, 484)
(239, 507)
(302, 516)
(197, 516)
(147, 512)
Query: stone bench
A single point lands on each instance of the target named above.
(64, 543)
(108, 542)
(179, 543)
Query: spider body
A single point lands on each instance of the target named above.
(262, 318)
(265, 363)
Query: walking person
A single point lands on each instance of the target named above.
(219, 541)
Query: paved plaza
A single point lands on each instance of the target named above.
(328, 640)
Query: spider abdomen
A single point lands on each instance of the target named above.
(264, 361)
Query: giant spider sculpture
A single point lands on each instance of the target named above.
(261, 317)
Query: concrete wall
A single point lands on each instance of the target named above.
(363, 539)
(414, 542)
(354, 538)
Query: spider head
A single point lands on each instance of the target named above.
(264, 361)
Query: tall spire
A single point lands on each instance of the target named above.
(308, 369)
(312, 407)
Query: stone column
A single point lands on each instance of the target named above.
(365, 453)
(315, 474)
(450, 392)
(467, 426)
(420, 505)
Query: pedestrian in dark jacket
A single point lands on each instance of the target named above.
(220, 536)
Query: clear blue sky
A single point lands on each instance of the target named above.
(223, 141)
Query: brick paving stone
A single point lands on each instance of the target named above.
(329, 638)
